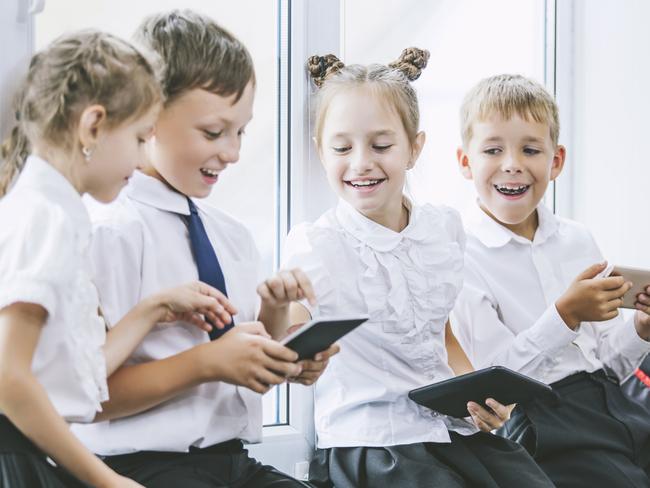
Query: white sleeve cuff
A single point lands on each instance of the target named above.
(550, 332)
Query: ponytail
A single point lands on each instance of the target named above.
(14, 153)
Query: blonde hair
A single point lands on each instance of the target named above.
(392, 82)
(508, 95)
(73, 72)
(196, 52)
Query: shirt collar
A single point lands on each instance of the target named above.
(155, 193)
(493, 234)
(45, 178)
(375, 235)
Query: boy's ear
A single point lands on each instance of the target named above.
(416, 148)
(463, 163)
(558, 161)
(90, 122)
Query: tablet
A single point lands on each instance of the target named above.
(319, 334)
(640, 279)
(450, 396)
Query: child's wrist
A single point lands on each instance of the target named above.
(564, 310)
(642, 325)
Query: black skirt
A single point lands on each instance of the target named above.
(479, 460)
(23, 465)
(589, 435)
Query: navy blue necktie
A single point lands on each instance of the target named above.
(206, 260)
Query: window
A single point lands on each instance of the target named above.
(603, 81)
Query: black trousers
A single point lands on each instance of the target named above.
(24, 465)
(479, 460)
(221, 465)
(588, 435)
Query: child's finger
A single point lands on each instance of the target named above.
(305, 285)
(307, 378)
(312, 366)
(276, 286)
(197, 320)
(222, 299)
(214, 319)
(290, 285)
(328, 353)
(612, 283)
(265, 294)
(500, 410)
(617, 293)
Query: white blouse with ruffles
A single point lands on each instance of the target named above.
(407, 283)
(44, 242)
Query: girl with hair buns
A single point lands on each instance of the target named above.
(87, 106)
(378, 253)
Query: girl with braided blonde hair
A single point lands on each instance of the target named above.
(85, 110)
(378, 254)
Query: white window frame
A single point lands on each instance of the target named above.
(17, 45)
(306, 27)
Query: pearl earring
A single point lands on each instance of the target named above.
(87, 152)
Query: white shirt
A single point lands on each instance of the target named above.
(406, 282)
(141, 246)
(506, 315)
(44, 239)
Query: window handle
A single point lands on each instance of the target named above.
(29, 7)
(36, 6)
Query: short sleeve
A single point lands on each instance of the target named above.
(301, 251)
(38, 250)
(116, 254)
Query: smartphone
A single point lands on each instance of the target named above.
(319, 334)
(640, 279)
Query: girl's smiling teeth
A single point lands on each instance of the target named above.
(366, 183)
(510, 189)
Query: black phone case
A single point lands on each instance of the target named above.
(321, 336)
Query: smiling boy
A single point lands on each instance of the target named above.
(534, 300)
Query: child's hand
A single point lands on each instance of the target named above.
(285, 287)
(195, 303)
(642, 315)
(247, 356)
(489, 420)
(312, 369)
(592, 299)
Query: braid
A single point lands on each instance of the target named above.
(322, 67)
(411, 62)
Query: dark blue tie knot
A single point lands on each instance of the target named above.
(192, 206)
(206, 259)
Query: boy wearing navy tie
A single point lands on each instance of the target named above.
(193, 399)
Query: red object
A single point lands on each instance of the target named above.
(644, 378)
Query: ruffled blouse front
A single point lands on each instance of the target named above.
(406, 283)
(44, 243)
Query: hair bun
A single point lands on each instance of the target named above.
(411, 62)
(322, 67)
